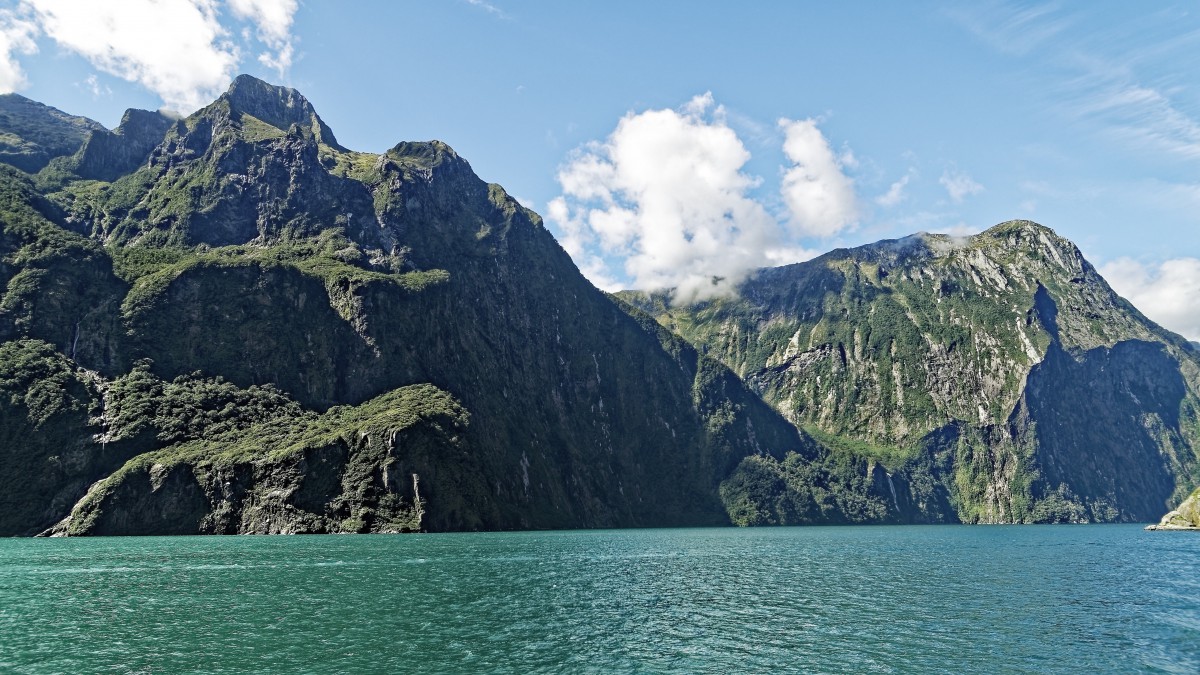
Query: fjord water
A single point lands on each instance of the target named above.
(1068, 599)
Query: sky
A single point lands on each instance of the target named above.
(671, 142)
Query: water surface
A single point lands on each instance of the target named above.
(1054, 599)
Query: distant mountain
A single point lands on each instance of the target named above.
(31, 134)
(996, 378)
(231, 323)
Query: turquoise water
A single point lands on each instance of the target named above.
(1069, 599)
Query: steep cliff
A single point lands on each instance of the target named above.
(32, 133)
(246, 298)
(994, 379)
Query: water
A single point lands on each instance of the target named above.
(1067, 599)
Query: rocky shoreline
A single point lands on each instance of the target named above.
(1186, 517)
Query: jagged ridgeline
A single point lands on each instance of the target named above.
(995, 378)
(231, 323)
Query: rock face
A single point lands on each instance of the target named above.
(993, 379)
(32, 134)
(258, 330)
(1186, 517)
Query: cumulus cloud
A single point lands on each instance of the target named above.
(959, 185)
(1168, 293)
(16, 37)
(819, 196)
(179, 49)
(274, 21)
(664, 202)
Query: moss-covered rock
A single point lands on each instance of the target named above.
(352, 469)
(1186, 517)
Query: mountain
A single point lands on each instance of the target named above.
(995, 378)
(231, 323)
(32, 134)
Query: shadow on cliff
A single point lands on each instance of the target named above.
(1105, 421)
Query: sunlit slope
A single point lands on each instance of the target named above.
(998, 373)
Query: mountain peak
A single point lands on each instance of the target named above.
(1019, 226)
(278, 106)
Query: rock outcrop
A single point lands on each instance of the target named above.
(1186, 517)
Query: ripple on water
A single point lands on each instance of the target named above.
(888, 600)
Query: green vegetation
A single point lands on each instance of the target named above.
(358, 444)
(799, 491)
(188, 407)
(32, 134)
(45, 434)
(327, 258)
(874, 351)
(892, 458)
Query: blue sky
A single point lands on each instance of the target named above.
(667, 141)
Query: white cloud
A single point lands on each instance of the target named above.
(1116, 82)
(1168, 293)
(16, 37)
(895, 193)
(1142, 116)
(959, 185)
(274, 21)
(489, 8)
(961, 230)
(179, 50)
(665, 197)
(92, 84)
(1013, 29)
(818, 194)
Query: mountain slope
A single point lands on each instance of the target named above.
(32, 134)
(246, 305)
(1001, 368)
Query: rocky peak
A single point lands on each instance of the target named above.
(280, 107)
(140, 123)
(1028, 236)
(108, 155)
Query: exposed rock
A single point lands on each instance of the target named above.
(108, 155)
(1065, 403)
(1186, 517)
(232, 323)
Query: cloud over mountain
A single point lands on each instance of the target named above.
(1168, 293)
(665, 201)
